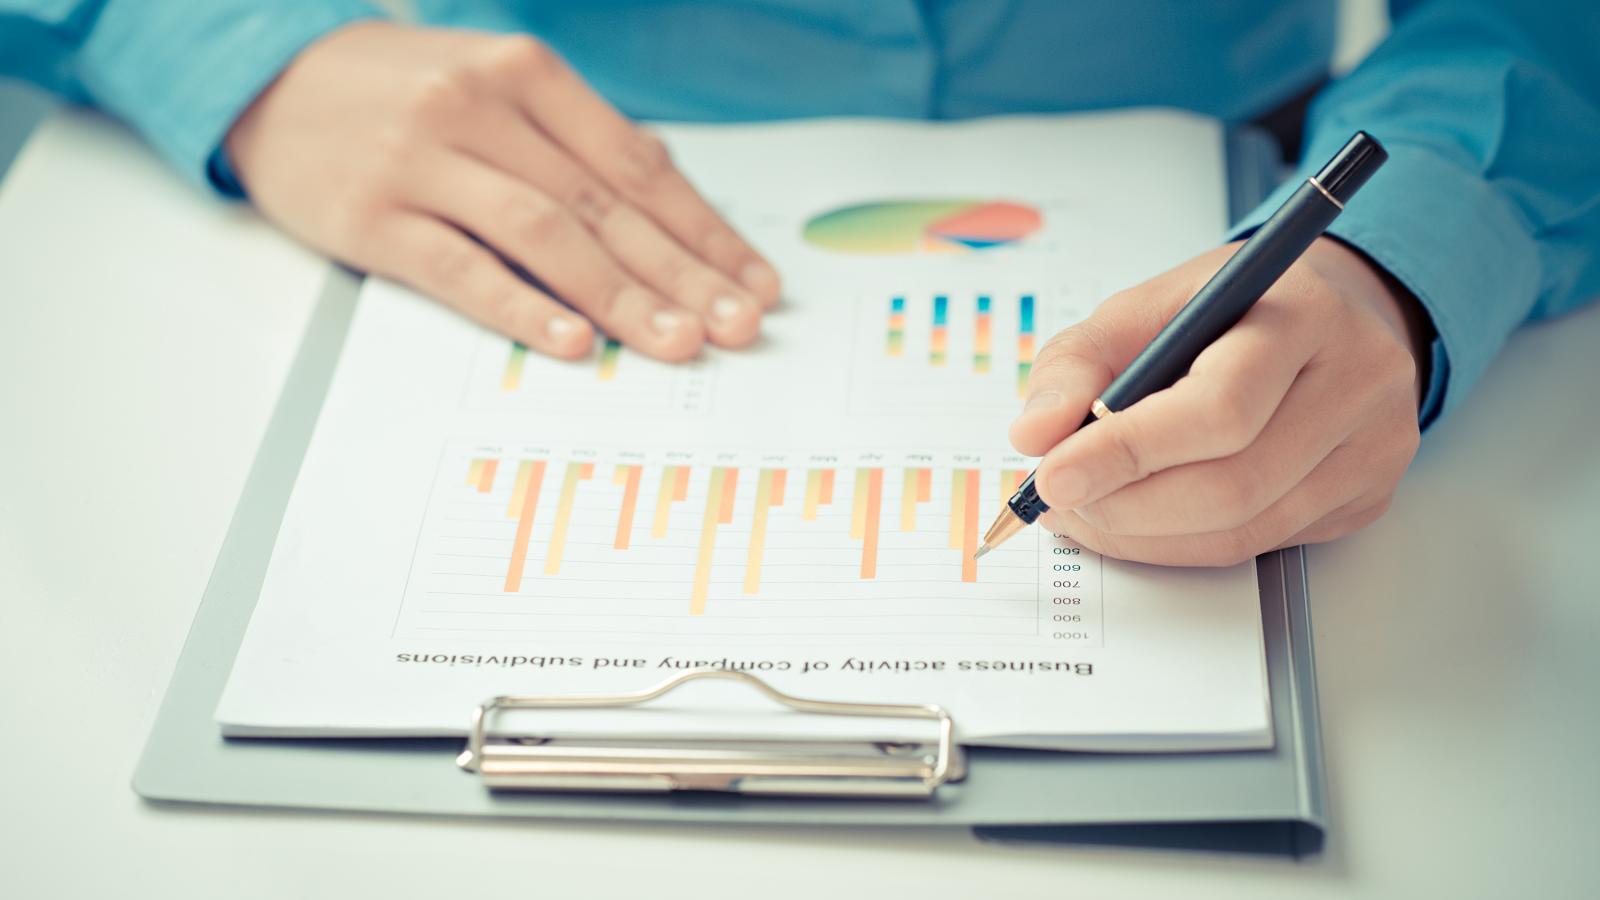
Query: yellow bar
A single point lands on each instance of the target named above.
(908, 501)
(1010, 480)
(813, 491)
(669, 475)
(758, 529)
(958, 502)
(708, 540)
(858, 508)
(475, 473)
(514, 508)
(576, 472)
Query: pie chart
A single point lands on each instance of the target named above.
(899, 227)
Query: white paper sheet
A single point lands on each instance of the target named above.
(473, 520)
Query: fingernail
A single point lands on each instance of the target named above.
(1069, 488)
(759, 277)
(666, 322)
(726, 309)
(1044, 400)
(559, 328)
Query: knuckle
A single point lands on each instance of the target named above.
(1233, 423)
(521, 57)
(590, 202)
(534, 223)
(1123, 449)
(438, 96)
(645, 160)
(504, 306)
(607, 302)
(714, 240)
(1072, 348)
(449, 268)
(1102, 515)
(394, 160)
(679, 275)
(1240, 494)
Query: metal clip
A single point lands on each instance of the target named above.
(770, 768)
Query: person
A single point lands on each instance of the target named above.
(441, 153)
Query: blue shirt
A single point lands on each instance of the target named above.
(1488, 211)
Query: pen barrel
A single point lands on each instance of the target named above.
(1226, 297)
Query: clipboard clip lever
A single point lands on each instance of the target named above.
(754, 767)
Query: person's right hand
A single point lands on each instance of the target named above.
(392, 148)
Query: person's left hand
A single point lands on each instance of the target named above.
(1293, 428)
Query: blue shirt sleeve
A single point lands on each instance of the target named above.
(1489, 207)
(179, 71)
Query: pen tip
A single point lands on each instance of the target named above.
(981, 551)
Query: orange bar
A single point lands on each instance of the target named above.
(958, 500)
(519, 546)
(708, 540)
(969, 529)
(576, 472)
(680, 488)
(758, 528)
(729, 486)
(486, 477)
(924, 485)
(779, 478)
(825, 492)
(628, 477)
(869, 543)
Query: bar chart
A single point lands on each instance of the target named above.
(860, 543)
(951, 349)
(506, 375)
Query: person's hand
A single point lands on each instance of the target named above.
(1294, 427)
(435, 157)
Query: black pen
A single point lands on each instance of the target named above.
(1219, 305)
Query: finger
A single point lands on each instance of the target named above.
(1216, 410)
(1330, 486)
(536, 232)
(1336, 526)
(504, 138)
(444, 263)
(1218, 494)
(632, 161)
(1076, 364)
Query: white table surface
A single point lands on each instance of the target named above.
(144, 333)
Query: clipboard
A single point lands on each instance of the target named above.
(1258, 801)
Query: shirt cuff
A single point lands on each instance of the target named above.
(182, 73)
(1445, 234)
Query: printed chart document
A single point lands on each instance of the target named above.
(473, 519)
